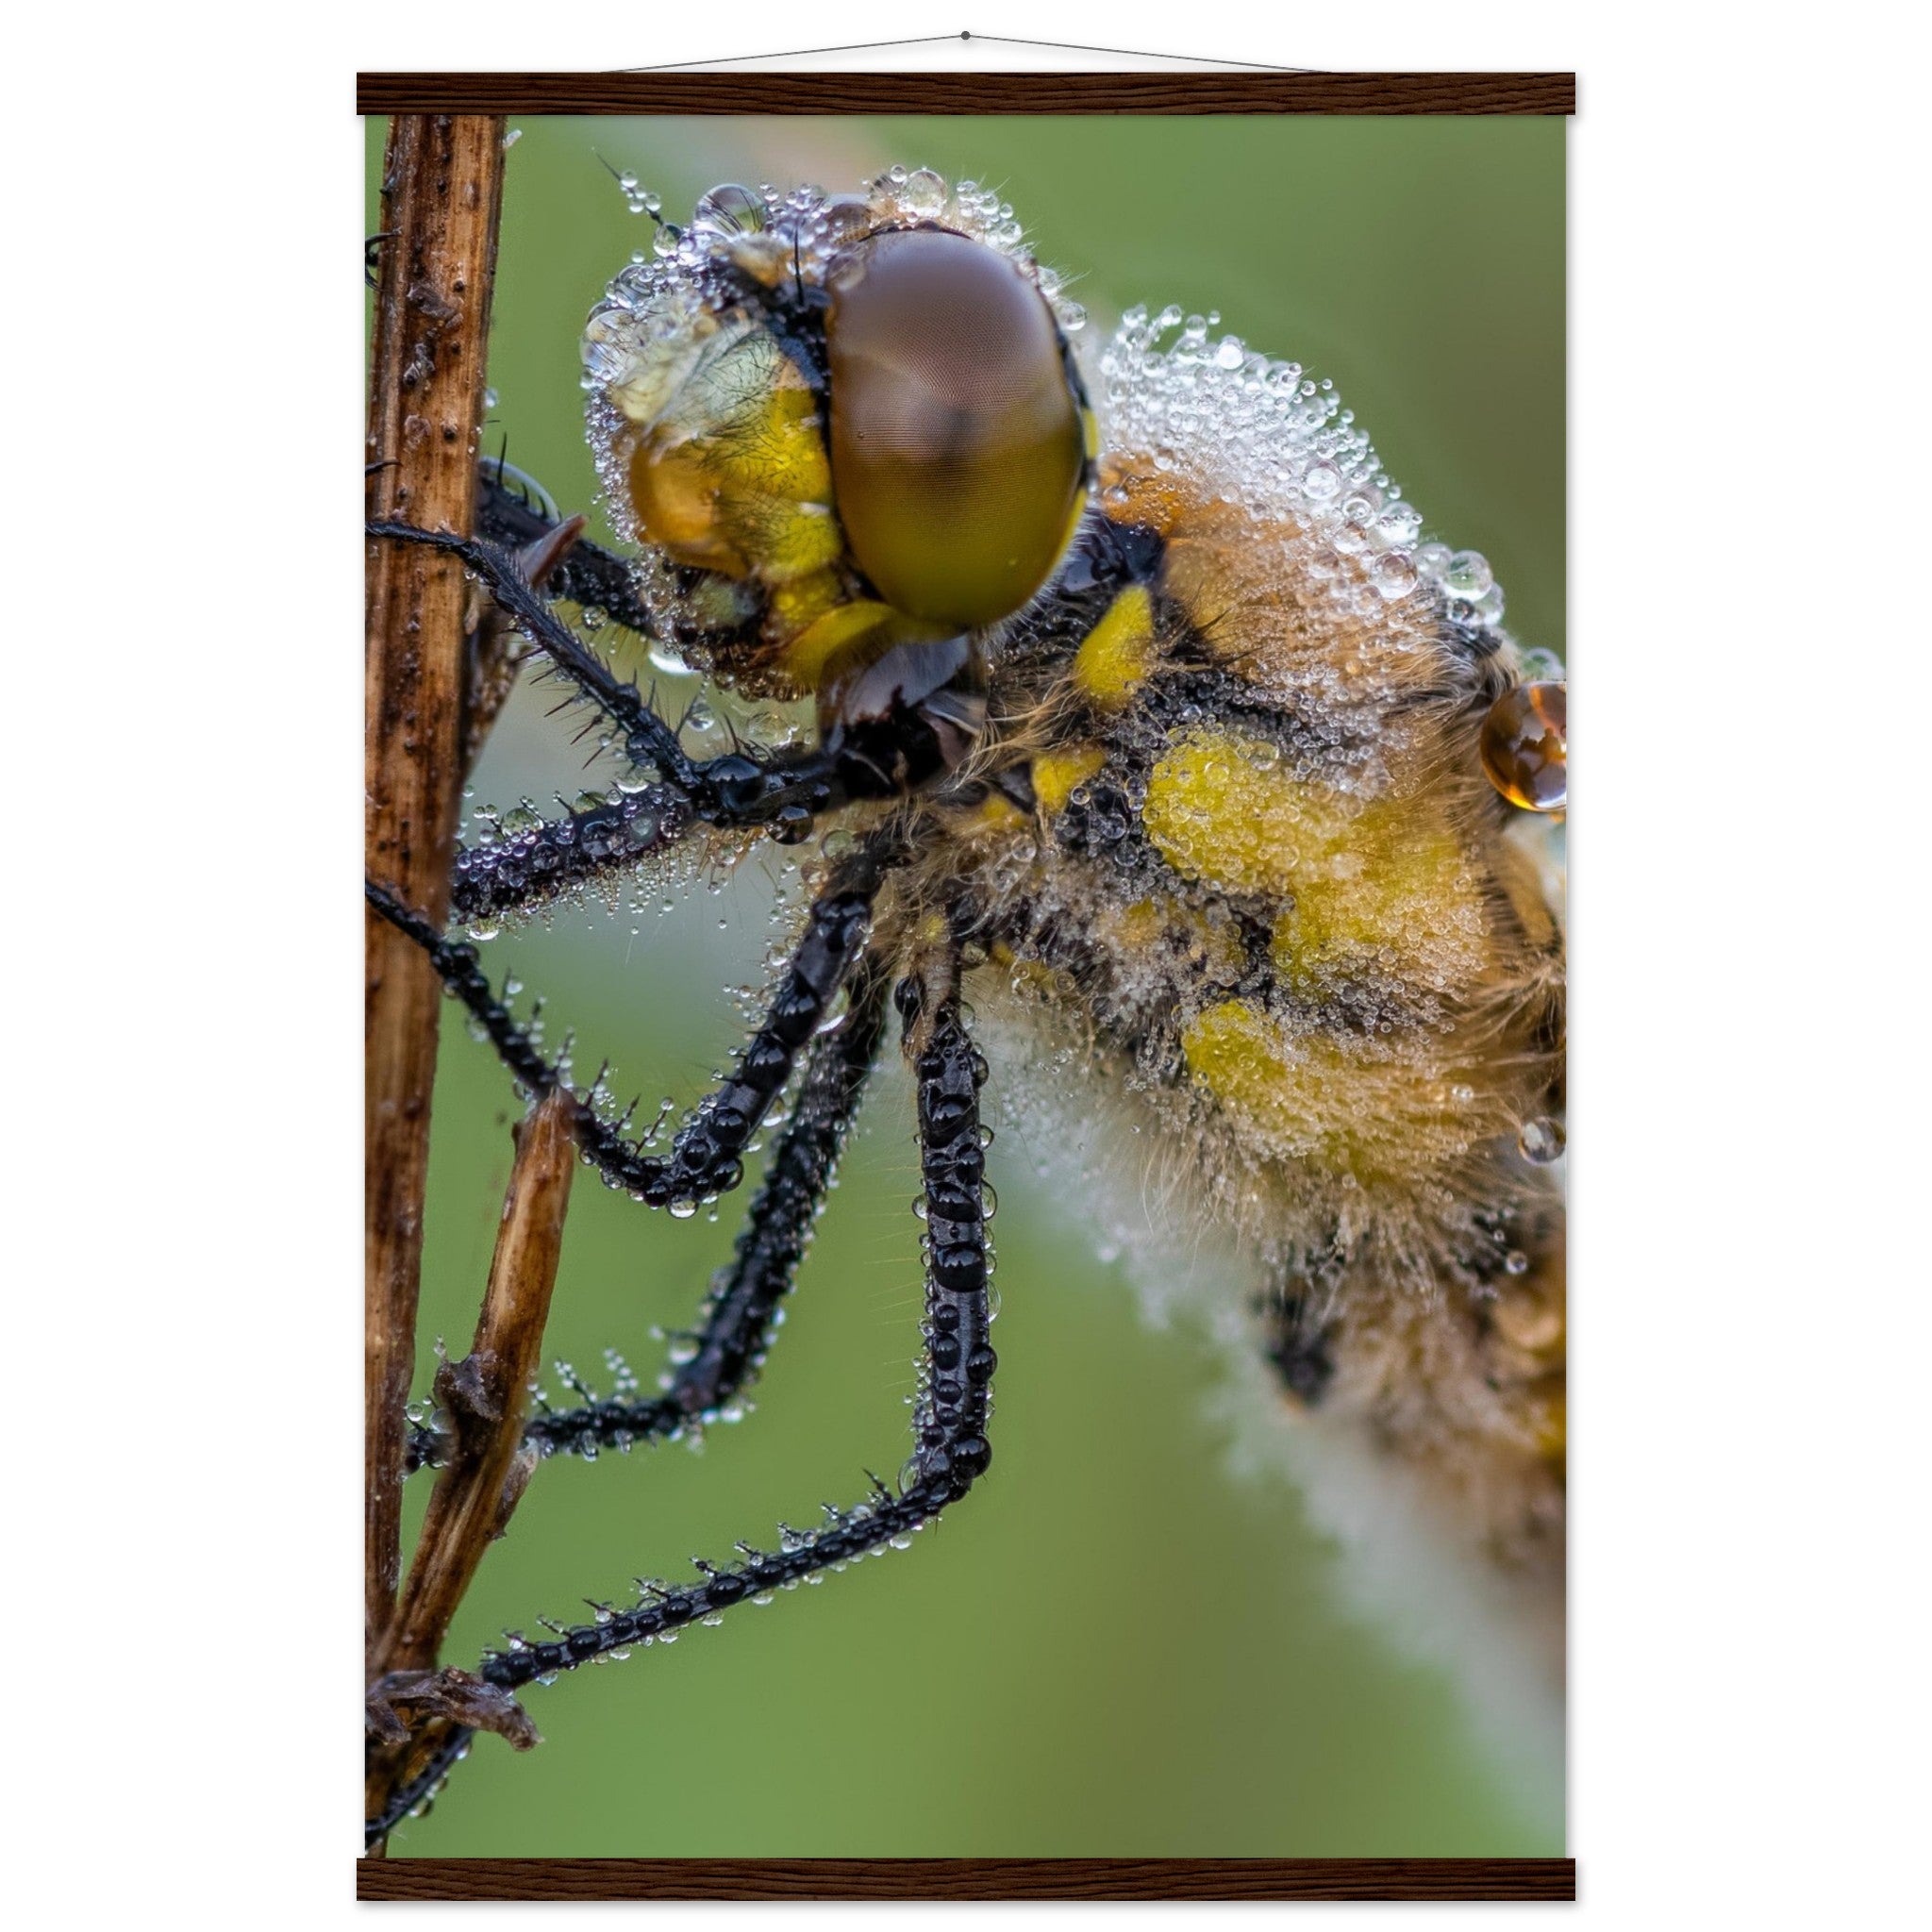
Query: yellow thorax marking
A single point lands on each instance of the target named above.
(1384, 882)
(1378, 1111)
(1119, 651)
(1057, 774)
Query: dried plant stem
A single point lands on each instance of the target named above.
(413, 1706)
(485, 1395)
(443, 193)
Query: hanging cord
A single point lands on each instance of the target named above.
(945, 40)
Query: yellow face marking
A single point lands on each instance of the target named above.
(1057, 774)
(803, 660)
(797, 605)
(1119, 651)
(1384, 885)
(731, 475)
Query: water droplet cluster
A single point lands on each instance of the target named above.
(665, 303)
(1268, 435)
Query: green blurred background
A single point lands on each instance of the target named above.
(1116, 1646)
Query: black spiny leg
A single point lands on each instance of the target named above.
(705, 1155)
(646, 736)
(737, 1323)
(585, 575)
(950, 1446)
(728, 795)
(521, 869)
(786, 792)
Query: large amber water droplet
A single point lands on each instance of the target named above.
(1524, 746)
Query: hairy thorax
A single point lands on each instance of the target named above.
(1234, 838)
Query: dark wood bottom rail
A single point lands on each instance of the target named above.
(967, 1878)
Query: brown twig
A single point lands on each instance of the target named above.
(411, 1705)
(485, 1394)
(442, 196)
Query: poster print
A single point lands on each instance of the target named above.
(1243, 796)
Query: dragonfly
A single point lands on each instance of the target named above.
(1142, 716)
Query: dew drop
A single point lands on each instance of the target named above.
(1468, 574)
(1524, 746)
(923, 192)
(1393, 576)
(1323, 482)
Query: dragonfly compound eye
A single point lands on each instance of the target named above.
(956, 445)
